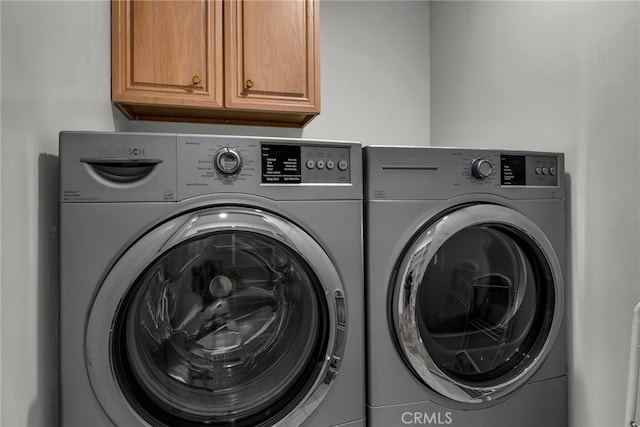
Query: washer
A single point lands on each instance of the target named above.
(465, 295)
(210, 281)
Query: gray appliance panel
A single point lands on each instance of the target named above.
(433, 173)
(539, 404)
(147, 167)
(197, 174)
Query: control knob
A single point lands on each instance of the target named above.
(227, 161)
(481, 168)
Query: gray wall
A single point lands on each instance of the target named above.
(55, 75)
(560, 76)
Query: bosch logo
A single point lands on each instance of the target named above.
(121, 152)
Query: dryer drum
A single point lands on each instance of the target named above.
(483, 304)
(477, 302)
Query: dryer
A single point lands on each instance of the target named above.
(465, 251)
(203, 282)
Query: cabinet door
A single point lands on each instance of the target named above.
(271, 55)
(167, 53)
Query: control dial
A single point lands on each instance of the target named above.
(227, 161)
(481, 168)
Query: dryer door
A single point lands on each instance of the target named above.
(477, 303)
(227, 316)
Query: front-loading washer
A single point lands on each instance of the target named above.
(210, 281)
(465, 251)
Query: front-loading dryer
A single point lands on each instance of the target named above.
(465, 287)
(210, 281)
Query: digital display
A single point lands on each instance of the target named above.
(281, 164)
(513, 170)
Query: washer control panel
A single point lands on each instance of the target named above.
(213, 164)
(299, 164)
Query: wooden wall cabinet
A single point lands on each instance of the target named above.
(250, 62)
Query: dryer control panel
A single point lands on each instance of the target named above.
(512, 169)
(429, 173)
(529, 170)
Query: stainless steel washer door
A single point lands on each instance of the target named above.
(225, 316)
(477, 303)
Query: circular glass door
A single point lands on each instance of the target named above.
(236, 319)
(477, 303)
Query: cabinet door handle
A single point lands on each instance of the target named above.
(196, 79)
(249, 83)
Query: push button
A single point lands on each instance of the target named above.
(320, 164)
(330, 164)
(343, 165)
(311, 164)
